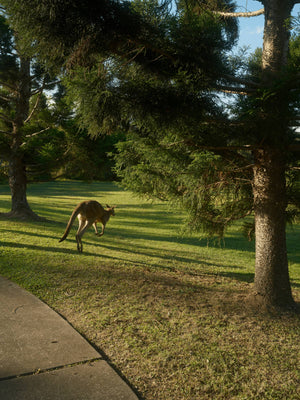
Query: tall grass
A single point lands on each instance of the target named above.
(169, 310)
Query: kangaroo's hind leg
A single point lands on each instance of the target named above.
(82, 228)
(82, 223)
(96, 228)
(103, 228)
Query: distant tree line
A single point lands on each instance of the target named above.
(47, 143)
(68, 153)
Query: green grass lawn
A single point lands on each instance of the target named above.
(170, 311)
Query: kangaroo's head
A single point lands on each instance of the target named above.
(111, 210)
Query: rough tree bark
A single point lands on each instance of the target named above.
(271, 264)
(272, 282)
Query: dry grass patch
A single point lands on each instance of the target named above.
(177, 336)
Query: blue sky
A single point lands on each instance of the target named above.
(251, 29)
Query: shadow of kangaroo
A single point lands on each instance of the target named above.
(89, 213)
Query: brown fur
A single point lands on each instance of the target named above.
(89, 213)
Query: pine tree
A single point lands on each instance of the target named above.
(156, 74)
(21, 87)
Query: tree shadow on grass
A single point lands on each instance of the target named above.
(190, 290)
(181, 257)
(67, 189)
(36, 247)
(239, 276)
(165, 261)
(247, 277)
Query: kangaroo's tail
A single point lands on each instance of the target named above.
(70, 223)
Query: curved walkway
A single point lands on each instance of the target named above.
(43, 358)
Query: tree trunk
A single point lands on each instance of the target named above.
(276, 37)
(18, 186)
(17, 169)
(269, 187)
(271, 265)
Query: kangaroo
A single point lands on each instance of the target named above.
(89, 213)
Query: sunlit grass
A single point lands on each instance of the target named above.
(169, 310)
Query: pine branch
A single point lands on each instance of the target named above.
(10, 87)
(240, 14)
(235, 218)
(224, 148)
(5, 98)
(136, 53)
(214, 148)
(37, 133)
(5, 119)
(242, 81)
(5, 132)
(41, 89)
(46, 85)
(234, 90)
(249, 85)
(291, 147)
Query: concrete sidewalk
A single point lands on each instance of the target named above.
(43, 358)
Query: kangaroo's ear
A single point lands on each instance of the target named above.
(107, 206)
